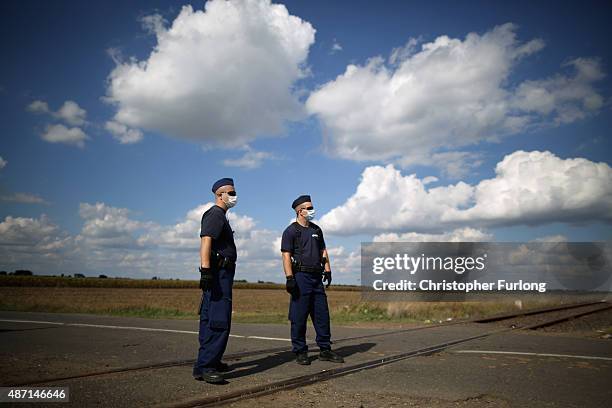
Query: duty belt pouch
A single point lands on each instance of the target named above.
(220, 313)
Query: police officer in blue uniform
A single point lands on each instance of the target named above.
(217, 268)
(306, 265)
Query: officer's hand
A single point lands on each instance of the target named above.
(327, 278)
(206, 278)
(290, 285)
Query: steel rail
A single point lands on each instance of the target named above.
(272, 350)
(304, 380)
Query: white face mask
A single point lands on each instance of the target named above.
(309, 214)
(231, 200)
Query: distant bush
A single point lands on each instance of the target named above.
(23, 272)
(79, 275)
(103, 277)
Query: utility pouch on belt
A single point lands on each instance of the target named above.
(294, 264)
(219, 261)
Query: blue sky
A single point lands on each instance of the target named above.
(543, 86)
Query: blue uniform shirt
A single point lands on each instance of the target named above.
(311, 243)
(216, 226)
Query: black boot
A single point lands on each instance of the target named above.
(222, 367)
(212, 377)
(302, 358)
(328, 355)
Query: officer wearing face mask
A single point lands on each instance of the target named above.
(217, 268)
(306, 265)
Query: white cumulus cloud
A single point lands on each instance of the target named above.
(465, 234)
(564, 99)
(3, 163)
(385, 200)
(107, 226)
(251, 159)
(62, 134)
(448, 94)
(38, 106)
(70, 112)
(539, 187)
(33, 243)
(113, 243)
(223, 75)
(529, 188)
(336, 47)
(122, 133)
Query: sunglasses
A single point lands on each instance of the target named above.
(308, 208)
(230, 193)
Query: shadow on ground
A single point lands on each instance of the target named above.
(252, 367)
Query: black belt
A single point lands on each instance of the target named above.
(308, 269)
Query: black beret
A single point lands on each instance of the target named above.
(300, 200)
(222, 182)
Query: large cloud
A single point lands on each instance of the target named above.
(113, 243)
(107, 226)
(386, 200)
(539, 187)
(33, 243)
(223, 75)
(449, 94)
(529, 188)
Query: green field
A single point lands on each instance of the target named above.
(252, 302)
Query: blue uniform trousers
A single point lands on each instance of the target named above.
(309, 299)
(215, 321)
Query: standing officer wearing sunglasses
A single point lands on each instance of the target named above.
(306, 265)
(217, 268)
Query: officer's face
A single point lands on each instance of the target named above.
(226, 189)
(305, 206)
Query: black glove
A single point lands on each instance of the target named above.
(291, 285)
(206, 278)
(327, 278)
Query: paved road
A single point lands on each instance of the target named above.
(501, 370)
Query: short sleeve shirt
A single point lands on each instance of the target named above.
(216, 225)
(311, 243)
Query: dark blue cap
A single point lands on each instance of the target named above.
(222, 182)
(300, 200)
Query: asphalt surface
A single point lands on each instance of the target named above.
(502, 370)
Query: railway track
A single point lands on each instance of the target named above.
(283, 349)
(300, 381)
